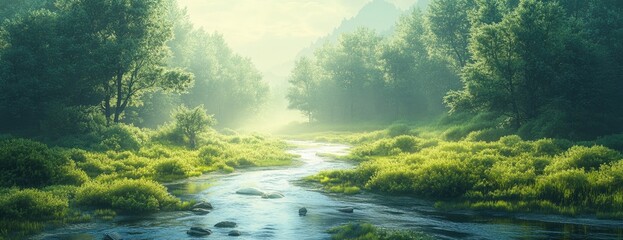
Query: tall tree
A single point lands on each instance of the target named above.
(415, 81)
(229, 85)
(133, 36)
(303, 86)
(449, 26)
(354, 67)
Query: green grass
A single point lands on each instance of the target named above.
(505, 174)
(122, 172)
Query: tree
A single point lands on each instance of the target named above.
(449, 27)
(353, 65)
(131, 38)
(226, 83)
(415, 82)
(192, 122)
(303, 87)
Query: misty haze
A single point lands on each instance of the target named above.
(323, 119)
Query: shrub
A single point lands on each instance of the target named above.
(442, 179)
(488, 135)
(126, 195)
(172, 169)
(406, 143)
(168, 134)
(567, 187)
(119, 137)
(585, 158)
(210, 153)
(62, 121)
(27, 163)
(612, 141)
(32, 204)
(397, 130)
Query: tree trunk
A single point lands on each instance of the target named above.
(118, 82)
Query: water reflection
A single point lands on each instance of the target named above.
(259, 218)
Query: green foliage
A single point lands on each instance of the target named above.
(173, 169)
(126, 195)
(366, 231)
(191, 122)
(510, 174)
(395, 130)
(210, 154)
(584, 158)
(120, 137)
(31, 204)
(391, 146)
(26, 163)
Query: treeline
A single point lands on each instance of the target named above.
(541, 68)
(68, 67)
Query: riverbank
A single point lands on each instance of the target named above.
(504, 173)
(43, 185)
(260, 218)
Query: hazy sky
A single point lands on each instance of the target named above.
(272, 32)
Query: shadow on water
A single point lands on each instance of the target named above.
(259, 218)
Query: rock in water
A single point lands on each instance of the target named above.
(250, 191)
(302, 211)
(204, 205)
(272, 195)
(198, 232)
(234, 233)
(112, 236)
(226, 224)
(200, 211)
(346, 210)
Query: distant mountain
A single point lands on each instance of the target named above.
(378, 15)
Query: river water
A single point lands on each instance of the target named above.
(259, 218)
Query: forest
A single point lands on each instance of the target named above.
(509, 106)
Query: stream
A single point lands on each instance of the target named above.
(259, 218)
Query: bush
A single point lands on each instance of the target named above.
(209, 154)
(126, 195)
(585, 158)
(27, 163)
(488, 135)
(32, 204)
(612, 141)
(442, 179)
(172, 169)
(63, 121)
(119, 137)
(567, 187)
(397, 130)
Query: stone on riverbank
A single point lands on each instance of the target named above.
(204, 205)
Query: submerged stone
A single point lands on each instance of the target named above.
(250, 191)
(346, 210)
(198, 231)
(302, 211)
(226, 224)
(272, 195)
(234, 233)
